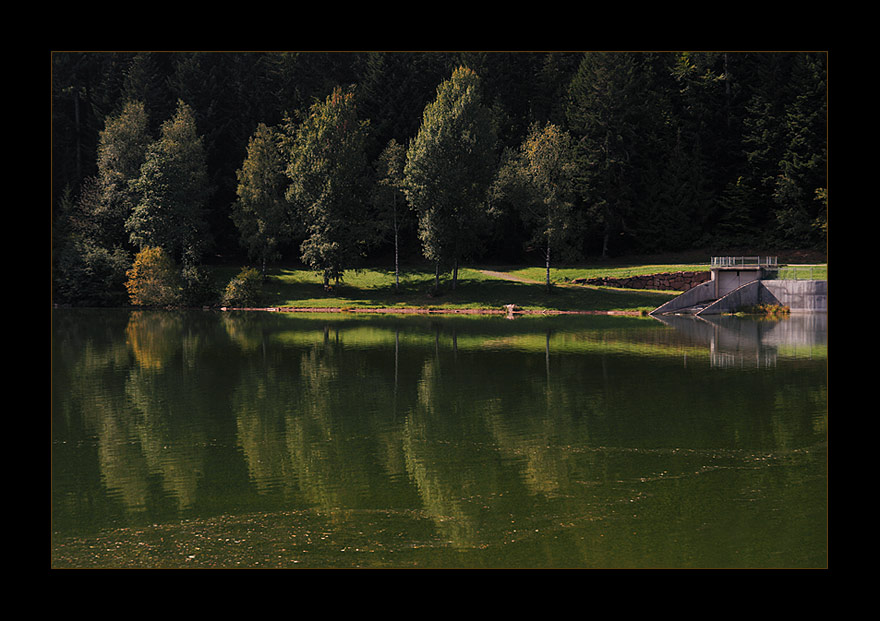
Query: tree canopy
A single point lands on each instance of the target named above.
(274, 155)
(539, 180)
(172, 191)
(328, 175)
(261, 212)
(449, 166)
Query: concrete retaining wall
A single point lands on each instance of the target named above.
(809, 296)
(800, 296)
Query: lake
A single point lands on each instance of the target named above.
(282, 440)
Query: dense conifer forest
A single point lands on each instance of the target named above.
(338, 159)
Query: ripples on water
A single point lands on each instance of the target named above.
(274, 440)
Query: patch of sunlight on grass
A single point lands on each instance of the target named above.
(375, 288)
(567, 274)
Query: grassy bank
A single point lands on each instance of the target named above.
(476, 289)
(483, 287)
(564, 275)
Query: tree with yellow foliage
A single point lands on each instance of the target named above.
(153, 279)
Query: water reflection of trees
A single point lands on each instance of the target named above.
(135, 393)
(468, 428)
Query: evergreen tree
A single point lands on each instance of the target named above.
(732, 225)
(669, 172)
(708, 154)
(90, 241)
(802, 175)
(763, 136)
(85, 271)
(674, 202)
(224, 93)
(393, 90)
(328, 174)
(449, 167)
(705, 112)
(172, 192)
(261, 212)
(551, 81)
(145, 82)
(606, 102)
(85, 90)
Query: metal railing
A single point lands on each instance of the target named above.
(744, 262)
(773, 268)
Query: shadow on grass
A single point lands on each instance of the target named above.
(295, 288)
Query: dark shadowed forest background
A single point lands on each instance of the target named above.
(340, 159)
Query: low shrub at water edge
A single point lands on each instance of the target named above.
(764, 309)
(245, 289)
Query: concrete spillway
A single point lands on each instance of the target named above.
(734, 287)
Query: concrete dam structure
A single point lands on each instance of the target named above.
(738, 282)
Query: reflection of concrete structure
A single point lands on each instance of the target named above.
(736, 341)
(738, 282)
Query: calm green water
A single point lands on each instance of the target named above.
(301, 441)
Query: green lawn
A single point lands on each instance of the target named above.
(374, 288)
(805, 272)
(567, 274)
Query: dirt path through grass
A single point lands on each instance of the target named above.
(522, 279)
(507, 276)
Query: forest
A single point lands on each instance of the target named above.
(334, 160)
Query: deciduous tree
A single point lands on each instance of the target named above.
(449, 167)
(389, 198)
(539, 179)
(261, 212)
(154, 279)
(173, 190)
(122, 149)
(328, 174)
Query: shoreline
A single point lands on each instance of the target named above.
(427, 311)
(384, 310)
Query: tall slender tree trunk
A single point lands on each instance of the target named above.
(454, 273)
(396, 256)
(436, 276)
(547, 257)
